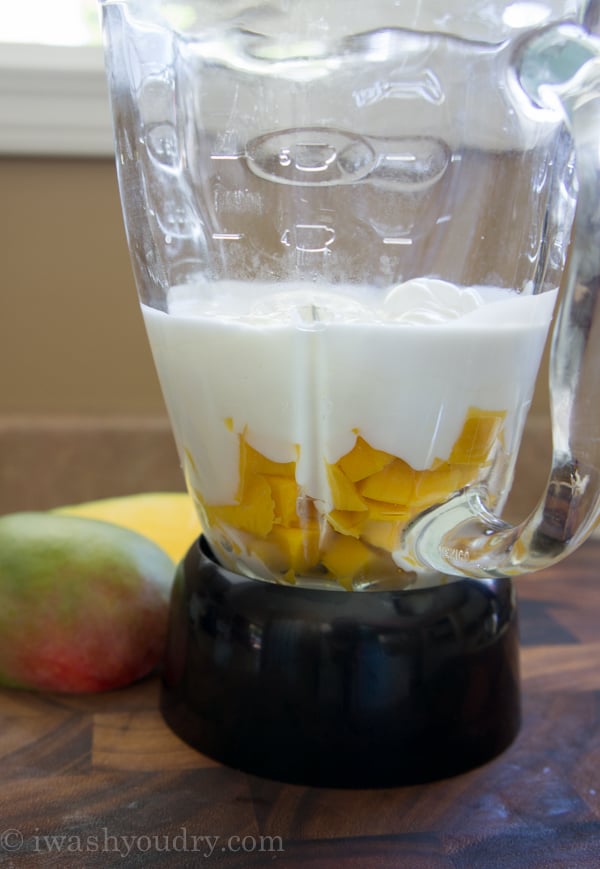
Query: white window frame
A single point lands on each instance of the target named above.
(54, 101)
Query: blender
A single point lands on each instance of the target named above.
(349, 227)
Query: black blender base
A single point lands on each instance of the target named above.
(340, 689)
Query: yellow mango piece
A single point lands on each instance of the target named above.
(343, 490)
(255, 514)
(480, 430)
(431, 487)
(383, 535)
(363, 460)
(167, 518)
(345, 557)
(252, 463)
(285, 494)
(269, 553)
(467, 474)
(387, 511)
(382, 571)
(347, 522)
(299, 547)
(394, 483)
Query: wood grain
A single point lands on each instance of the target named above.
(96, 769)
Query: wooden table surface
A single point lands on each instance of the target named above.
(101, 780)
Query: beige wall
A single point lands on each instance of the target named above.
(71, 336)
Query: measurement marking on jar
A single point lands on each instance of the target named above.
(227, 236)
(391, 240)
(404, 158)
(309, 237)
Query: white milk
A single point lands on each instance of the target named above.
(297, 364)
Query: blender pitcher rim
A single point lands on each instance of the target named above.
(492, 37)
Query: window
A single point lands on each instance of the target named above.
(53, 94)
(60, 22)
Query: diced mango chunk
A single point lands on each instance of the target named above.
(382, 534)
(345, 557)
(343, 490)
(347, 522)
(299, 546)
(285, 494)
(386, 511)
(363, 460)
(394, 483)
(270, 553)
(374, 495)
(431, 487)
(478, 435)
(255, 514)
(252, 462)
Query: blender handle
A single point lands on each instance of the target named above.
(557, 68)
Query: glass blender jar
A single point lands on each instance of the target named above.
(349, 226)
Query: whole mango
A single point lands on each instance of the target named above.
(168, 518)
(83, 603)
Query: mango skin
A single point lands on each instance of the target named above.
(83, 603)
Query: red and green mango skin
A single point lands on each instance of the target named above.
(83, 603)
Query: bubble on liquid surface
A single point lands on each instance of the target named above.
(311, 157)
(429, 301)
